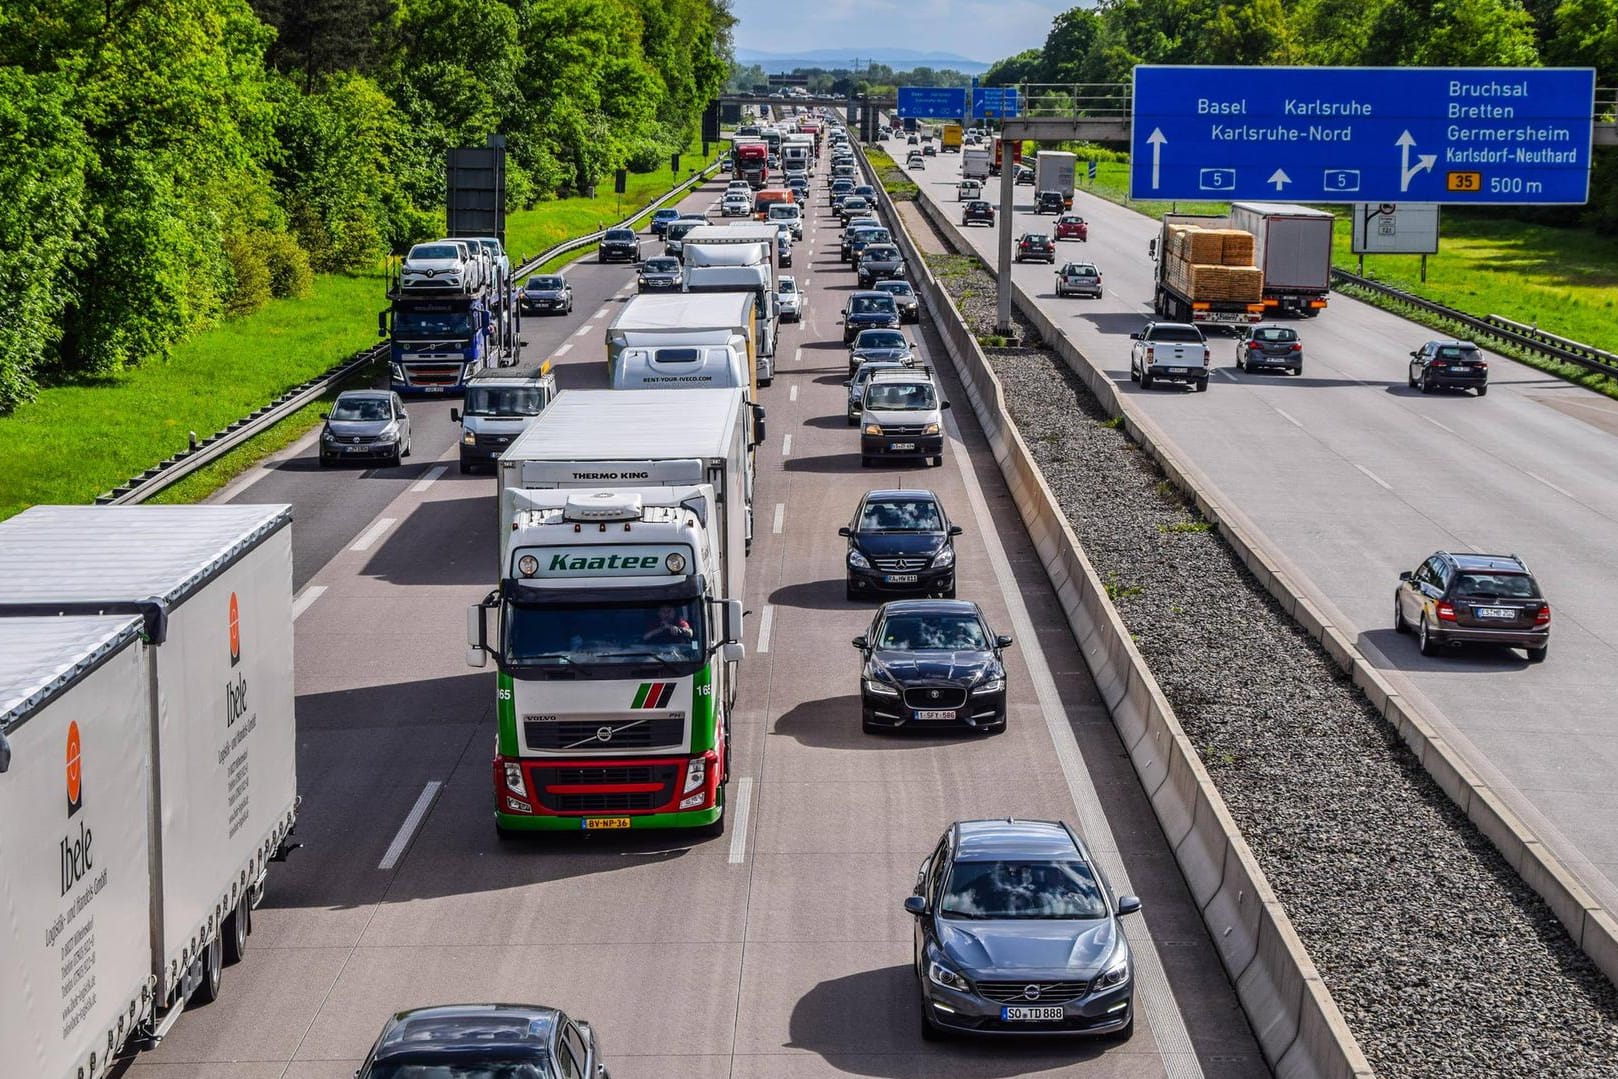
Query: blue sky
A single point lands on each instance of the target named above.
(983, 30)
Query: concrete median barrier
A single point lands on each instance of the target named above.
(1299, 1026)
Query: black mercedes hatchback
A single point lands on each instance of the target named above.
(932, 664)
(900, 541)
(484, 1040)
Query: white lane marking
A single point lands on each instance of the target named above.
(601, 313)
(786, 446)
(738, 820)
(764, 620)
(306, 599)
(582, 330)
(797, 354)
(792, 394)
(1227, 374)
(1288, 417)
(434, 473)
(1438, 425)
(1559, 490)
(563, 351)
(1375, 478)
(1157, 999)
(412, 821)
(372, 534)
(780, 515)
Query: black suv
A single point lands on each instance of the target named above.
(1453, 599)
(869, 310)
(900, 541)
(978, 212)
(484, 1039)
(1036, 245)
(619, 245)
(660, 273)
(1449, 365)
(1049, 202)
(931, 663)
(1017, 932)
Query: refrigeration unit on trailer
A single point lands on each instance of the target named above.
(616, 625)
(213, 588)
(726, 320)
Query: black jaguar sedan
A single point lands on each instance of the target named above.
(932, 664)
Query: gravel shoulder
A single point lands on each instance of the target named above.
(1445, 964)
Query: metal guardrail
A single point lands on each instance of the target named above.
(1527, 338)
(202, 453)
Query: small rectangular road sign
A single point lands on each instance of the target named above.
(1471, 136)
(932, 102)
(999, 102)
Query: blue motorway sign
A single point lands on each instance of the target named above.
(1318, 134)
(995, 101)
(932, 102)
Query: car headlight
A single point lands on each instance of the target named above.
(880, 689)
(858, 561)
(327, 436)
(388, 434)
(930, 429)
(469, 439)
(1115, 975)
(990, 685)
(873, 428)
(939, 974)
(943, 558)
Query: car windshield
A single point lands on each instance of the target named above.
(459, 1067)
(364, 409)
(898, 288)
(872, 305)
(880, 339)
(1274, 333)
(787, 285)
(1006, 889)
(933, 632)
(502, 401)
(1495, 586)
(544, 284)
(631, 634)
(660, 264)
(435, 251)
(901, 515)
(901, 397)
(1071, 221)
(879, 252)
(665, 215)
(442, 324)
(854, 202)
(619, 235)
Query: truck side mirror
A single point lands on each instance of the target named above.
(733, 621)
(455, 415)
(5, 755)
(758, 425)
(477, 633)
(732, 652)
(381, 323)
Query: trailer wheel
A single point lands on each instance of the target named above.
(237, 927)
(213, 972)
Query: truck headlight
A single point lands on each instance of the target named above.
(696, 773)
(469, 439)
(873, 428)
(527, 565)
(675, 563)
(930, 429)
(514, 782)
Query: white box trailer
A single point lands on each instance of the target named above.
(213, 586)
(1293, 245)
(642, 439)
(1054, 170)
(654, 320)
(75, 876)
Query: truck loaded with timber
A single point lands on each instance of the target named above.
(1205, 272)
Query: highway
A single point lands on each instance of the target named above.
(1354, 477)
(779, 949)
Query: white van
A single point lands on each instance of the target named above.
(789, 214)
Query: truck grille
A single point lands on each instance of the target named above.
(664, 776)
(622, 733)
(1045, 992)
(422, 374)
(931, 697)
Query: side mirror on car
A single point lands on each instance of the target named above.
(844, 531)
(916, 904)
(1002, 641)
(325, 415)
(454, 415)
(1406, 575)
(956, 530)
(861, 643)
(943, 404)
(1134, 337)
(1128, 904)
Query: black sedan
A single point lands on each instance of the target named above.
(1035, 245)
(932, 663)
(547, 293)
(1018, 932)
(1049, 202)
(904, 296)
(977, 212)
(484, 1039)
(900, 541)
(660, 273)
(619, 245)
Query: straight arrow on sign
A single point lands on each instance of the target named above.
(1279, 178)
(1157, 140)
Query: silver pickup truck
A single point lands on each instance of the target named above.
(1169, 352)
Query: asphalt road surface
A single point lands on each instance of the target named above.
(780, 949)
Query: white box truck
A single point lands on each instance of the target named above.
(739, 258)
(1292, 245)
(659, 320)
(976, 162)
(616, 626)
(210, 684)
(1054, 171)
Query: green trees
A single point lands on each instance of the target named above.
(167, 163)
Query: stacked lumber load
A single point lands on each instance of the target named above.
(1214, 265)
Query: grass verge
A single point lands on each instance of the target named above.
(893, 180)
(77, 440)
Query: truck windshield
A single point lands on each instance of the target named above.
(432, 324)
(669, 634)
(502, 401)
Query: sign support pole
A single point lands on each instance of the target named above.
(1002, 292)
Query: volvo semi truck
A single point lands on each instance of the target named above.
(616, 624)
(441, 335)
(147, 767)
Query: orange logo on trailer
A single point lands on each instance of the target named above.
(75, 772)
(235, 632)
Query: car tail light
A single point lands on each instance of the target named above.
(1542, 617)
(1149, 351)
(1445, 610)
(1296, 348)
(1254, 345)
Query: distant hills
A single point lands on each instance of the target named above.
(775, 63)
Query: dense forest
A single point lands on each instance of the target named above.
(167, 163)
(1102, 44)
